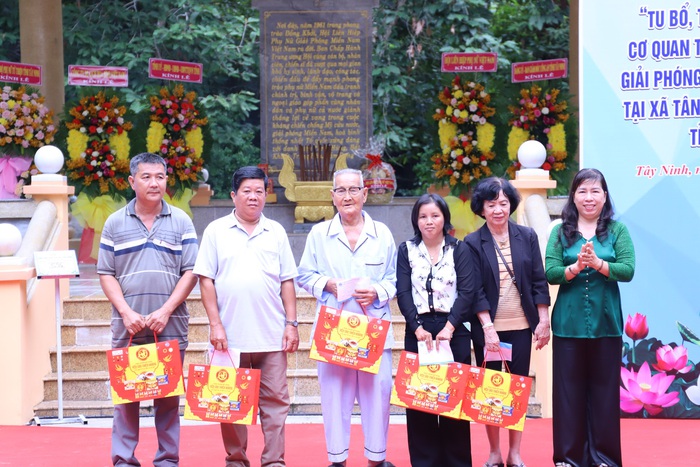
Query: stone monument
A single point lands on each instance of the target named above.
(315, 75)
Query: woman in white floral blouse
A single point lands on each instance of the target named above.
(435, 290)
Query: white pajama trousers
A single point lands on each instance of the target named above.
(340, 387)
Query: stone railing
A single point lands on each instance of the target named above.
(28, 317)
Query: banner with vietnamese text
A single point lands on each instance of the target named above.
(640, 125)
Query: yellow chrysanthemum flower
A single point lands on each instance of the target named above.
(485, 137)
(77, 142)
(446, 131)
(516, 137)
(121, 144)
(195, 141)
(557, 138)
(154, 137)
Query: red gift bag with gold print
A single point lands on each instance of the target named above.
(144, 372)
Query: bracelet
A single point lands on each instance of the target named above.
(602, 263)
(487, 325)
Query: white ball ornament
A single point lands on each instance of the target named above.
(10, 239)
(48, 159)
(205, 175)
(532, 154)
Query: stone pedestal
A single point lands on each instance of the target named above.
(55, 189)
(202, 195)
(531, 182)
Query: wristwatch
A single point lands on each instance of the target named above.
(293, 323)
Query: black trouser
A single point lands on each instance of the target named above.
(521, 341)
(586, 401)
(435, 441)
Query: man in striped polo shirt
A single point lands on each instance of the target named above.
(147, 252)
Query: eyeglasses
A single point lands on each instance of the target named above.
(353, 190)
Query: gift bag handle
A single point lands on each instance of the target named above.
(503, 360)
(227, 353)
(155, 336)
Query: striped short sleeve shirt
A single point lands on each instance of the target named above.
(148, 265)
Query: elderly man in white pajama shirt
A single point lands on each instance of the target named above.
(352, 245)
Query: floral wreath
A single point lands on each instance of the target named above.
(175, 133)
(540, 117)
(466, 136)
(26, 124)
(98, 147)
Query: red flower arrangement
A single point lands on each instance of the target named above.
(175, 133)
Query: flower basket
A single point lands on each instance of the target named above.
(26, 124)
(540, 116)
(466, 136)
(97, 164)
(175, 133)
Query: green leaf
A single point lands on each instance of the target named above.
(687, 334)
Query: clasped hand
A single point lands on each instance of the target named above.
(135, 322)
(587, 257)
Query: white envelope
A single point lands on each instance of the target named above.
(439, 355)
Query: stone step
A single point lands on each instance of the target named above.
(92, 389)
(86, 338)
(91, 358)
(88, 386)
(78, 332)
(308, 405)
(99, 308)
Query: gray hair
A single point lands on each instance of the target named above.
(348, 171)
(146, 158)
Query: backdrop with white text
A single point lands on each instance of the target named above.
(640, 125)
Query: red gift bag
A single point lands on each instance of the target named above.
(436, 389)
(144, 372)
(497, 398)
(223, 394)
(349, 339)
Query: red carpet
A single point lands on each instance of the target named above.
(648, 443)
